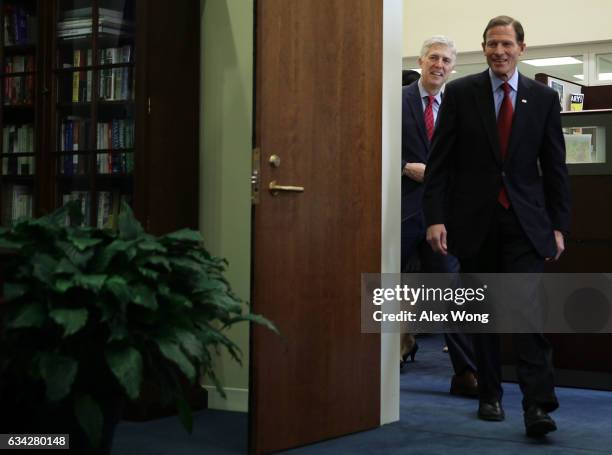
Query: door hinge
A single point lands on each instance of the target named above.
(255, 176)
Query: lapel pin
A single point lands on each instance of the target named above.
(524, 101)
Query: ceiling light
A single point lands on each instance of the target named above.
(604, 76)
(554, 61)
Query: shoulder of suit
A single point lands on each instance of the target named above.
(538, 86)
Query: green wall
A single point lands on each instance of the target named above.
(226, 109)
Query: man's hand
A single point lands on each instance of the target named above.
(415, 171)
(436, 237)
(560, 241)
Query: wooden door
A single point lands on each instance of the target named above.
(318, 108)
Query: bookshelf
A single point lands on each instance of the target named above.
(100, 104)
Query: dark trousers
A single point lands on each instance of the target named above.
(418, 255)
(506, 249)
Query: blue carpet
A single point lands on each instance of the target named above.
(431, 422)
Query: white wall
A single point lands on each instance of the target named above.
(546, 22)
(226, 109)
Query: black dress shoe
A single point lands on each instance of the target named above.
(538, 422)
(491, 411)
(465, 385)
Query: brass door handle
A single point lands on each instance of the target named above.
(274, 188)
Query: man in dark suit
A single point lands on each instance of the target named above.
(497, 179)
(421, 101)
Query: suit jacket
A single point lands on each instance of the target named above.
(415, 149)
(465, 165)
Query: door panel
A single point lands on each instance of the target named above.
(318, 107)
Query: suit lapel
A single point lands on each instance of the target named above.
(416, 108)
(519, 120)
(486, 109)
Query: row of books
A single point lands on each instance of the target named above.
(17, 202)
(18, 165)
(75, 134)
(19, 90)
(115, 85)
(18, 139)
(82, 80)
(106, 163)
(108, 206)
(19, 25)
(78, 22)
(18, 64)
(106, 56)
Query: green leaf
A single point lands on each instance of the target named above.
(66, 267)
(172, 352)
(185, 235)
(90, 282)
(160, 261)
(151, 245)
(190, 343)
(145, 297)
(129, 227)
(148, 273)
(119, 288)
(28, 315)
(78, 258)
(13, 291)
(184, 413)
(62, 285)
(256, 318)
(82, 243)
(126, 365)
(44, 266)
(90, 418)
(71, 319)
(58, 373)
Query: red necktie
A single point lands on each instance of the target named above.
(429, 119)
(504, 126)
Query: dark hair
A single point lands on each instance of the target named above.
(409, 76)
(502, 21)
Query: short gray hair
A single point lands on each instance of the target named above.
(440, 40)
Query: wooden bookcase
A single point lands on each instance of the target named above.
(100, 103)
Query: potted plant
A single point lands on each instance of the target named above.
(89, 313)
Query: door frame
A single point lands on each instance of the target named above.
(216, 178)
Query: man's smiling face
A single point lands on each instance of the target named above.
(436, 66)
(502, 50)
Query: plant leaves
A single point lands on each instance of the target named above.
(78, 258)
(145, 297)
(44, 266)
(82, 243)
(172, 352)
(151, 245)
(256, 318)
(129, 227)
(185, 235)
(90, 418)
(28, 315)
(117, 286)
(190, 343)
(66, 267)
(13, 291)
(90, 282)
(126, 365)
(71, 319)
(58, 373)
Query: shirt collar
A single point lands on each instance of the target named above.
(424, 93)
(496, 82)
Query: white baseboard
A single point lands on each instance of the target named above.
(237, 399)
